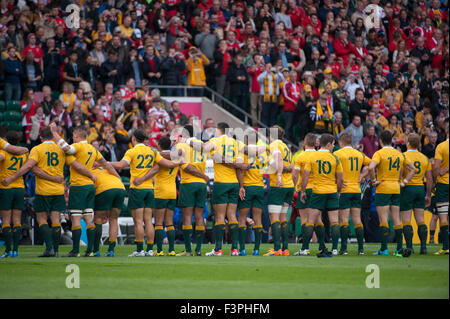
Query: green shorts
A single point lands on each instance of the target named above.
(280, 195)
(441, 194)
(254, 197)
(111, 198)
(299, 203)
(387, 199)
(350, 200)
(192, 195)
(12, 198)
(412, 196)
(141, 198)
(225, 193)
(49, 203)
(161, 203)
(82, 199)
(324, 201)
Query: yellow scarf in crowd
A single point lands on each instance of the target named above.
(274, 89)
(320, 124)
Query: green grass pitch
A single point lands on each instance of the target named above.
(419, 276)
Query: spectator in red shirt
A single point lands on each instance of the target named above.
(370, 142)
(342, 47)
(255, 99)
(291, 93)
(36, 49)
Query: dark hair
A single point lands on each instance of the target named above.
(13, 137)
(346, 138)
(165, 143)
(386, 137)
(310, 139)
(222, 126)
(46, 133)
(140, 135)
(325, 139)
(190, 129)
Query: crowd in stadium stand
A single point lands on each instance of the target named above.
(322, 66)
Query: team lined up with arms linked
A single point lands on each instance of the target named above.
(325, 181)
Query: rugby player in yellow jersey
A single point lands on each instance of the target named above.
(192, 192)
(280, 192)
(82, 189)
(299, 168)
(223, 149)
(387, 164)
(251, 190)
(109, 196)
(355, 168)
(414, 196)
(440, 172)
(328, 180)
(11, 196)
(46, 161)
(13, 149)
(141, 159)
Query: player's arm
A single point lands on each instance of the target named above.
(201, 147)
(295, 174)
(22, 171)
(16, 150)
(411, 170)
(428, 187)
(83, 170)
(44, 175)
(106, 165)
(280, 167)
(68, 149)
(240, 177)
(170, 164)
(259, 149)
(305, 177)
(364, 173)
(339, 181)
(437, 169)
(372, 167)
(2, 158)
(150, 173)
(196, 172)
(120, 165)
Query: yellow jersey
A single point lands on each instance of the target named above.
(227, 147)
(253, 176)
(106, 181)
(165, 185)
(324, 165)
(194, 158)
(352, 163)
(421, 163)
(299, 164)
(141, 158)
(275, 147)
(86, 155)
(442, 154)
(9, 166)
(390, 163)
(51, 159)
(3, 143)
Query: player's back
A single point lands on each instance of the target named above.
(352, 162)
(421, 163)
(106, 181)
(390, 163)
(51, 159)
(194, 158)
(442, 153)
(165, 183)
(9, 166)
(253, 176)
(300, 161)
(86, 155)
(226, 147)
(275, 147)
(141, 158)
(324, 166)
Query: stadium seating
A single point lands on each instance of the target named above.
(13, 106)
